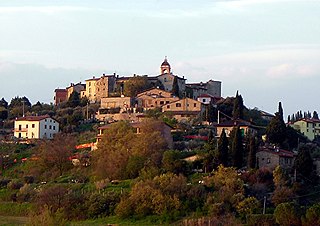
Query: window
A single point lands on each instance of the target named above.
(45, 126)
(167, 102)
(178, 105)
(203, 100)
(20, 126)
(27, 126)
(194, 105)
(50, 127)
(33, 125)
(268, 160)
(168, 106)
(161, 102)
(20, 135)
(54, 127)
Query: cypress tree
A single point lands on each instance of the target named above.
(252, 153)
(238, 107)
(223, 149)
(303, 162)
(237, 148)
(276, 130)
(280, 111)
(315, 115)
(175, 87)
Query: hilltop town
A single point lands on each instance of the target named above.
(157, 148)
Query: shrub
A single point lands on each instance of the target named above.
(312, 216)
(287, 214)
(14, 185)
(260, 219)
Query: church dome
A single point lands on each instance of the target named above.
(165, 62)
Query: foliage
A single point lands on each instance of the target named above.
(175, 87)
(223, 149)
(47, 217)
(122, 153)
(247, 206)
(276, 130)
(100, 205)
(54, 155)
(312, 216)
(172, 162)
(15, 209)
(252, 152)
(135, 85)
(260, 219)
(164, 197)
(287, 214)
(228, 190)
(236, 147)
(303, 163)
(282, 192)
(238, 107)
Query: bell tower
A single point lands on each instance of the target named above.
(165, 67)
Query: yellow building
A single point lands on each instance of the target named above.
(308, 127)
(154, 97)
(35, 127)
(185, 108)
(91, 89)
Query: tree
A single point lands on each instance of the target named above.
(3, 103)
(223, 149)
(135, 85)
(54, 156)
(312, 216)
(282, 192)
(315, 115)
(276, 130)
(74, 99)
(252, 152)
(175, 87)
(287, 214)
(303, 163)
(18, 106)
(238, 107)
(237, 148)
(228, 190)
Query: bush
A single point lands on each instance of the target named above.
(15, 209)
(260, 219)
(287, 214)
(47, 217)
(312, 216)
(14, 185)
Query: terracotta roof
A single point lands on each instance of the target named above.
(60, 90)
(278, 151)
(33, 118)
(232, 123)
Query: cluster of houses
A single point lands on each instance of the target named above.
(108, 92)
(113, 108)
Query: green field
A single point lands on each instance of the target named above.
(12, 220)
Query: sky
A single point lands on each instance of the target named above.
(268, 50)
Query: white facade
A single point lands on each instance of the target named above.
(35, 127)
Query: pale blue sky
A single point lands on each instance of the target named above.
(268, 50)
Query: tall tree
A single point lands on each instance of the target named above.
(223, 149)
(280, 111)
(276, 130)
(252, 152)
(315, 115)
(237, 148)
(303, 163)
(3, 103)
(175, 87)
(238, 107)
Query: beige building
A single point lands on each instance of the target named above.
(210, 87)
(91, 93)
(105, 85)
(308, 127)
(35, 127)
(271, 157)
(227, 126)
(184, 108)
(154, 98)
(75, 88)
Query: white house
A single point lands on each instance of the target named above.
(35, 127)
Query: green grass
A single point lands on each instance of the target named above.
(10, 220)
(148, 221)
(15, 209)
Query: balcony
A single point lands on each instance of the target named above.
(22, 130)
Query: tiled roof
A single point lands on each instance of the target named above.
(234, 123)
(277, 151)
(33, 118)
